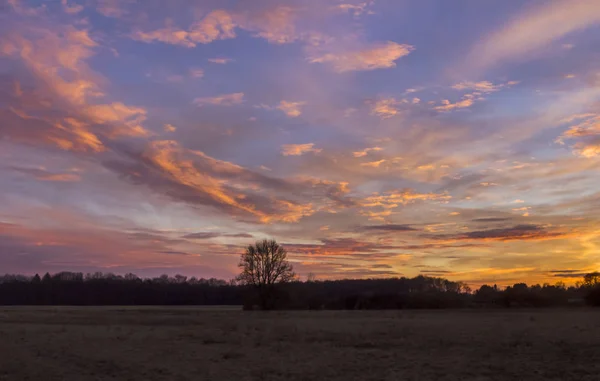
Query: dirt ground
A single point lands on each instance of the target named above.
(68, 343)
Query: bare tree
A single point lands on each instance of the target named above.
(263, 265)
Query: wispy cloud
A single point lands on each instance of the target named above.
(467, 101)
(291, 109)
(217, 25)
(373, 164)
(385, 108)
(375, 56)
(71, 9)
(197, 72)
(169, 127)
(533, 30)
(298, 149)
(220, 61)
(366, 151)
(221, 100)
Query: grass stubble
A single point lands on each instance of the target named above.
(181, 343)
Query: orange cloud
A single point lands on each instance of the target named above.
(125, 119)
(43, 175)
(588, 151)
(56, 59)
(276, 25)
(587, 131)
(298, 149)
(366, 151)
(373, 164)
(393, 199)
(385, 108)
(165, 155)
(483, 86)
(377, 56)
(217, 25)
(169, 128)
(291, 109)
(467, 101)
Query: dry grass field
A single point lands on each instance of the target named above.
(68, 343)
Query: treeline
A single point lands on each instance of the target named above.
(68, 288)
(97, 289)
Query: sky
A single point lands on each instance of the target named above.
(372, 139)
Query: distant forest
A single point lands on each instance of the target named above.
(69, 288)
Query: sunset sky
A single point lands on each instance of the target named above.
(373, 139)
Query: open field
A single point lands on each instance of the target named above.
(68, 343)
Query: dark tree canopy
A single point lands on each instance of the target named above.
(264, 264)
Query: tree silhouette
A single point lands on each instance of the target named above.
(591, 279)
(264, 265)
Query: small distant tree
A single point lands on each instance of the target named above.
(591, 279)
(591, 283)
(263, 266)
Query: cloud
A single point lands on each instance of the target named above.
(220, 61)
(63, 103)
(373, 164)
(483, 86)
(477, 90)
(221, 100)
(336, 247)
(198, 179)
(202, 235)
(588, 150)
(298, 149)
(385, 108)
(355, 9)
(467, 101)
(533, 30)
(366, 151)
(196, 73)
(101, 248)
(126, 120)
(393, 199)
(586, 133)
(71, 9)
(491, 219)
(389, 228)
(43, 175)
(275, 24)
(376, 56)
(514, 233)
(24, 10)
(210, 235)
(112, 8)
(291, 109)
(217, 25)
(169, 128)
